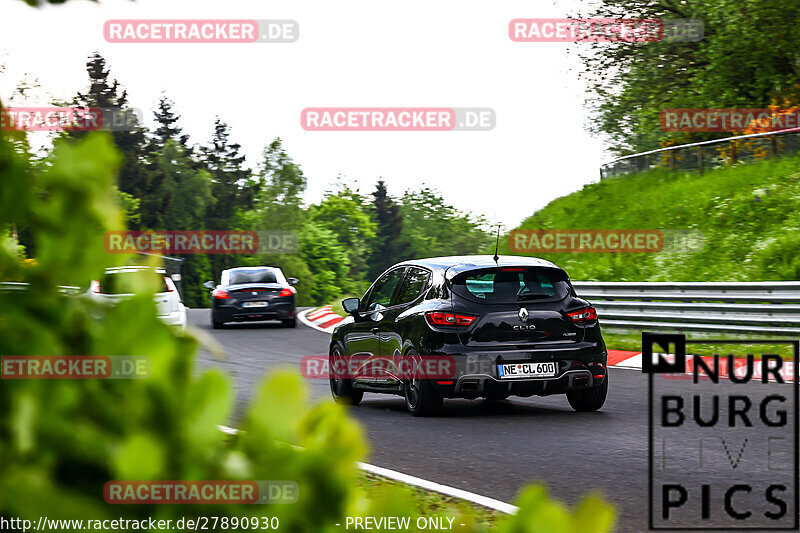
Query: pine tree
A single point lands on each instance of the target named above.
(389, 247)
(104, 93)
(168, 127)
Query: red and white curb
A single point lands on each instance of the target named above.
(321, 318)
(453, 492)
(633, 360)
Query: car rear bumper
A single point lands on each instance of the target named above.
(177, 319)
(279, 311)
(476, 374)
(477, 385)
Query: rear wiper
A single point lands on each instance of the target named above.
(532, 296)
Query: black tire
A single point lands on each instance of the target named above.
(590, 399)
(289, 323)
(342, 389)
(216, 324)
(422, 399)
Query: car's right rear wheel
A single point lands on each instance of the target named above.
(289, 323)
(421, 397)
(590, 399)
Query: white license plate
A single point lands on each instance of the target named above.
(527, 370)
(255, 304)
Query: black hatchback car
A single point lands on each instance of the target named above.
(489, 328)
(252, 294)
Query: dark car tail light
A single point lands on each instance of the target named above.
(438, 318)
(219, 294)
(581, 316)
(285, 292)
(598, 370)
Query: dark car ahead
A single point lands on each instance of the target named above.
(511, 327)
(251, 294)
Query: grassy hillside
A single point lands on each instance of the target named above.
(748, 216)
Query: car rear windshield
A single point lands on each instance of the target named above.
(266, 275)
(132, 281)
(511, 285)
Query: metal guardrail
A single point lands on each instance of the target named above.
(704, 155)
(765, 307)
(19, 286)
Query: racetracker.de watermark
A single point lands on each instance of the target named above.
(397, 119)
(52, 118)
(539, 241)
(605, 30)
(201, 492)
(74, 367)
(731, 119)
(200, 31)
(361, 366)
(202, 242)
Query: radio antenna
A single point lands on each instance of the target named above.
(497, 245)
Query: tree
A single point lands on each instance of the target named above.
(345, 214)
(327, 263)
(282, 185)
(389, 246)
(133, 177)
(231, 181)
(434, 228)
(168, 128)
(232, 185)
(748, 58)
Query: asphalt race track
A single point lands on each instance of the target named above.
(492, 449)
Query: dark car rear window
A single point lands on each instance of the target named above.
(511, 285)
(266, 275)
(132, 281)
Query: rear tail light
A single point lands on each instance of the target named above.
(169, 284)
(581, 316)
(437, 318)
(598, 370)
(219, 294)
(285, 292)
(95, 286)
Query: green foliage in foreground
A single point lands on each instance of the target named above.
(747, 217)
(62, 440)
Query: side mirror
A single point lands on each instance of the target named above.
(209, 285)
(350, 305)
(293, 281)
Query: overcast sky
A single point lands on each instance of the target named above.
(447, 53)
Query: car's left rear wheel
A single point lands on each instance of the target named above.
(341, 388)
(422, 399)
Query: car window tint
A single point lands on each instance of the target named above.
(384, 289)
(412, 286)
(511, 285)
(252, 276)
(132, 281)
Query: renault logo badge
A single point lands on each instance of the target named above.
(523, 314)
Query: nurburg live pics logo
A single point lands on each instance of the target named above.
(723, 437)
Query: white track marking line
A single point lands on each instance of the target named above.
(453, 492)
